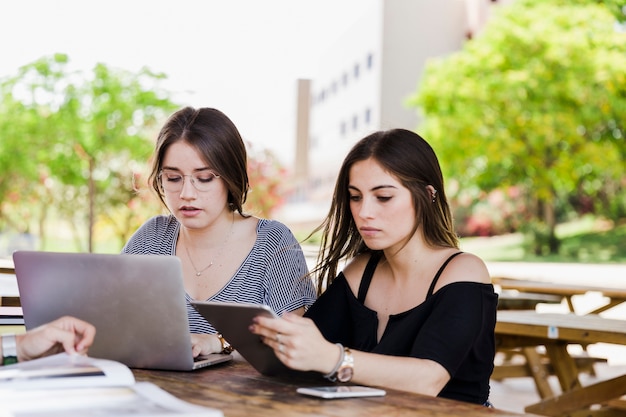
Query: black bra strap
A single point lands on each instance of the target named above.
(432, 284)
(366, 279)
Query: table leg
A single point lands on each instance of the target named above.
(538, 371)
(564, 366)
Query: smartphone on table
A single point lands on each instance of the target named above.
(341, 391)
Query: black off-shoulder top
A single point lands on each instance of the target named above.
(453, 327)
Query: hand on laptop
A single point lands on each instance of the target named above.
(67, 334)
(205, 344)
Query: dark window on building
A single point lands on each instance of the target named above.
(343, 129)
(368, 116)
(370, 61)
(357, 69)
(344, 79)
(355, 122)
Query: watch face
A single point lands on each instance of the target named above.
(344, 374)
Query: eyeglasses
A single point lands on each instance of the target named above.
(172, 181)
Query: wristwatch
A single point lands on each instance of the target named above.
(346, 369)
(226, 347)
(9, 349)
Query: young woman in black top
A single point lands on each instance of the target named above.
(409, 311)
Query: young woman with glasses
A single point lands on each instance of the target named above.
(199, 172)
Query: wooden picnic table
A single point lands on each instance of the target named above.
(8, 295)
(518, 294)
(528, 329)
(616, 296)
(238, 390)
(7, 267)
(515, 300)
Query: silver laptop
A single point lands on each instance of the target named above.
(136, 302)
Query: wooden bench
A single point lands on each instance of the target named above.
(511, 367)
(618, 404)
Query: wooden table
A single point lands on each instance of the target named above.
(528, 330)
(240, 391)
(8, 286)
(526, 294)
(6, 266)
(616, 296)
(509, 299)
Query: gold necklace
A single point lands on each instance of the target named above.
(219, 253)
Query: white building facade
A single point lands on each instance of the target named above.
(363, 85)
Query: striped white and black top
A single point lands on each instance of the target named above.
(273, 273)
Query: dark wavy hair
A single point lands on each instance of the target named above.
(218, 142)
(407, 156)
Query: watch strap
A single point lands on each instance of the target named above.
(346, 370)
(226, 347)
(332, 375)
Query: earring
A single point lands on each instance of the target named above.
(434, 194)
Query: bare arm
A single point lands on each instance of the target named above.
(420, 376)
(64, 334)
(304, 348)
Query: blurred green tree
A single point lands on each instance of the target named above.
(74, 142)
(537, 101)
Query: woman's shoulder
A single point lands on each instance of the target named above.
(354, 269)
(159, 223)
(269, 224)
(275, 228)
(154, 236)
(465, 267)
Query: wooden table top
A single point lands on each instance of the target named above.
(562, 289)
(238, 390)
(570, 327)
(6, 266)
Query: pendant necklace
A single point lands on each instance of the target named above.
(219, 253)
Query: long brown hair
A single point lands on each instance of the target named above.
(411, 159)
(218, 142)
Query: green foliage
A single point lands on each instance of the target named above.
(616, 7)
(590, 241)
(74, 142)
(74, 150)
(536, 101)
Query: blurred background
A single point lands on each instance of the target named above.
(524, 102)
